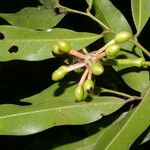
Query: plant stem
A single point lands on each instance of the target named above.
(83, 77)
(89, 75)
(99, 56)
(77, 54)
(98, 21)
(105, 46)
(88, 14)
(140, 46)
(85, 51)
(75, 66)
(119, 93)
(146, 63)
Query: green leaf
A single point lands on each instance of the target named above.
(113, 18)
(136, 78)
(90, 3)
(83, 144)
(52, 107)
(106, 12)
(124, 134)
(110, 132)
(49, 3)
(146, 138)
(28, 44)
(34, 18)
(93, 132)
(140, 13)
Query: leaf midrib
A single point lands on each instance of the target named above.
(57, 108)
(96, 2)
(127, 121)
(139, 20)
(69, 39)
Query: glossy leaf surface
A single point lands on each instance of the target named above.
(110, 133)
(38, 18)
(140, 13)
(28, 44)
(135, 125)
(49, 3)
(115, 20)
(53, 107)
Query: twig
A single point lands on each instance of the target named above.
(120, 93)
(140, 46)
(77, 54)
(75, 66)
(88, 14)
(83, 77)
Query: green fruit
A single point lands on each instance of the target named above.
(63, 67)
(123, 36)
(64, 46)
(79, 70)
(58, 74)
(112, 50)
(88, 86)
(97, 69)
(56, 50)
(79, 93)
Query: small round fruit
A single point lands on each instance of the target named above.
(88, 86)
(79, 70)
(56, 50)
(123, 36)
(64, 46)
(79, 93)
(97, 69)
(58, 74)
(112, 50)
(63, 67)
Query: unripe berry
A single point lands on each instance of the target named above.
(64, 46)
(58, 74)
(56, 50)
(79, 70)
(79, 93)
(63, 67)
(123, 36)
(112, 50)
(97, 69)
(88, 86)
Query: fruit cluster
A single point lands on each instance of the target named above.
(92, 62)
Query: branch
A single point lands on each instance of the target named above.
(140, 46)
(88, 14)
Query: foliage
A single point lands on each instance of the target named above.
(114, 113)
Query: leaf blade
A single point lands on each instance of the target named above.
(135, 125)
(110, 15)
(109, 134)
(37, 45)
(140, 13)
(35, 18)
(90, 3)
(48, 110)
(113, 18)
